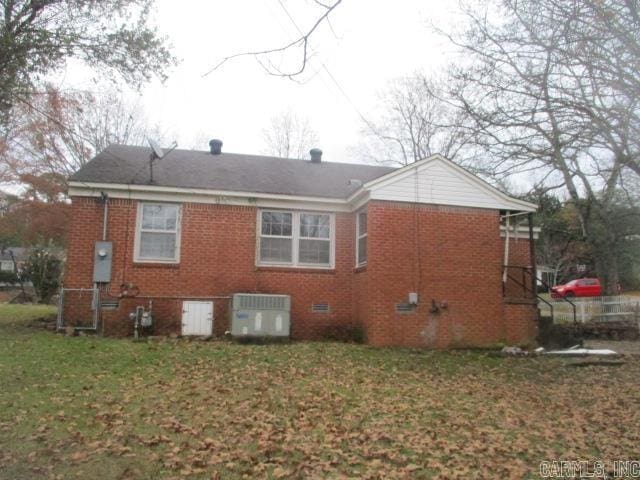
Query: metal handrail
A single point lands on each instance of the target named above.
(528, 270)
(573, 305)
(536, 295)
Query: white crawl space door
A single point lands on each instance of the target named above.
(197, 318)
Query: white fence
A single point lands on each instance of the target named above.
(593, 309)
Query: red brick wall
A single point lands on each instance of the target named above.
(451, 256)
(217, 259)
(521, 322)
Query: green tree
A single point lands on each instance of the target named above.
(9, 236)
(562, 244)
(44, 269)
(39, 37)
(559, 245)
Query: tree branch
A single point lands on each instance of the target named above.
(300, 42)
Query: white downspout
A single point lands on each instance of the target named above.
(506, 249)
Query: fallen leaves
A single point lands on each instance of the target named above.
(220, 410)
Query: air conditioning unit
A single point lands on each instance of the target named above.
(260, 315)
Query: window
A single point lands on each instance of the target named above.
(158, 233)
(276, 237)
(315, 243)
(361, 239)
(295, 238)
(6, 266)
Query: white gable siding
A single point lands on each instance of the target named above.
(437, 183)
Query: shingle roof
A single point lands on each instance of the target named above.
(227, 171)
(20, 253)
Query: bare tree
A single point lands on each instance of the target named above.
(416, 121)
(60, 132)
(300, 46)
(289, 136)
(542, 94)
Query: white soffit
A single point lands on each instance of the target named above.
(439, 181)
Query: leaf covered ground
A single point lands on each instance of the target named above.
(104, 408)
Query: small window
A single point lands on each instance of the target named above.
(157, 233)
(361, 238)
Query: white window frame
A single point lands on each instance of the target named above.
(136, 250)
(295, 239)
(291, 237)
(360, 236)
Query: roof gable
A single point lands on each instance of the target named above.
(437, 180)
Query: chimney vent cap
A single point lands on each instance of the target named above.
(316, 155)
(216, 146)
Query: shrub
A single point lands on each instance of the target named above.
(344, 333)
(8, 277)
(44, 269)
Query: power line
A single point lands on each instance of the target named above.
(331, 76)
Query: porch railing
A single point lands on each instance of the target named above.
(521, 281)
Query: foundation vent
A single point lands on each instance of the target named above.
(405, 308)
(110, 304)
(320, 308)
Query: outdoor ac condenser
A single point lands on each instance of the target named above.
(259, 315)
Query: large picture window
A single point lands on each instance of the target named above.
(295, 238)
(361, 239)
(158, 233)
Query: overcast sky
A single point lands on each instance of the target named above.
(370, 42)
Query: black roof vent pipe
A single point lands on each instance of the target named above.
(216, 146)
(316, 155)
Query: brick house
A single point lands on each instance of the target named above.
(413, 256)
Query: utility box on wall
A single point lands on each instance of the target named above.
(259, 315)
(102, 258)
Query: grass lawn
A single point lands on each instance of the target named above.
(112, 409)
(16, 317)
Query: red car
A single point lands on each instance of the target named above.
(582, 287)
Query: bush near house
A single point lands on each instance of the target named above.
(86, 407)
(44, 269)
(8, 277)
